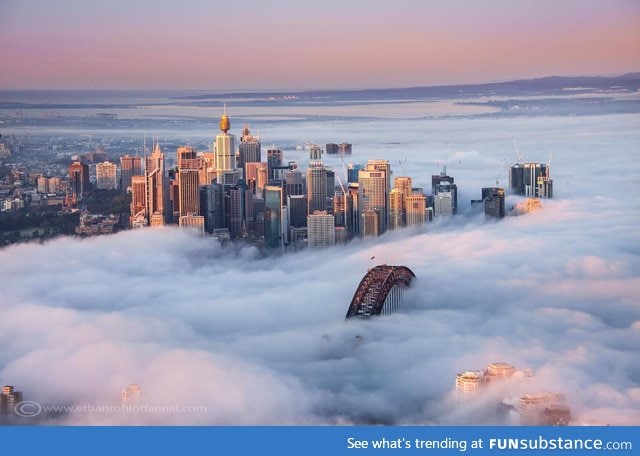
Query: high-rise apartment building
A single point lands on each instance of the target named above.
(106, 176)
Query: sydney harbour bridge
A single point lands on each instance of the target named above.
(380, 291)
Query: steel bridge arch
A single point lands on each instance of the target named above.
(374, 288)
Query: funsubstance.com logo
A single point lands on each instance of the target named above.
(27, 409)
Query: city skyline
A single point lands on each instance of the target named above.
(125, 45)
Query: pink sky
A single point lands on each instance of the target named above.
(201, 44)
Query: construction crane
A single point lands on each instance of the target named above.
(344, 192)
(549, 164)
(87, 136)
(518, 153)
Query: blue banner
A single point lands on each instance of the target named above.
(329, 440)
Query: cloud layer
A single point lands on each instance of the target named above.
(263, 340)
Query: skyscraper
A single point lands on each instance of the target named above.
(415, 209)
(273, 217)
(493, 201)
(316, 187)
(212, 206)
(188, 191)
(274, 160)
(9, 398)
(249, 150)
(156, 192)
(106, 176)
(192, 220)
(188, 176)
(531, 179)
(225, 148)
(373, 193)
(396, 209)
(443, 204)
(297, 207)
(352, 172)
(320, 229)
(129, 166)
(79, 179)
(445, 184)
(139, 216)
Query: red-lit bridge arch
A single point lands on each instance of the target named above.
(380, 291)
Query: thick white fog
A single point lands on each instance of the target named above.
(263, 340)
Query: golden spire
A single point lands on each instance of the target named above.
(225, 124)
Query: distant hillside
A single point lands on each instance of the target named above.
(551, 85)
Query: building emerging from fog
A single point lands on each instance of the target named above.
(531, 179)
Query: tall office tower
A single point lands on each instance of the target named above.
(294, 182)
(79, 178)
(187, 158)
(129, 166)
(297, 207)
(316, 187)
(443, 204)
(188, 179)
(373, 194)
(225, 148)
(212, 206)
(493, 198)
(192, 220)
(396, 209)
(106, 176)
(531, 179)
(370, 223)
(236, 224)
(274, 160)
(320, 229)
(443, 183)
(404, 184)
(352, 172)
(344, 149)
(415, 209)
(273, 217)
(331, 149)
(315, 152)
(469, 382)
(188, 191)
(343, 211)
(9, 398)
(208, 171)
(353, 192)
(249, 150)
(383, 212)
(156, 192)
(139, 215)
